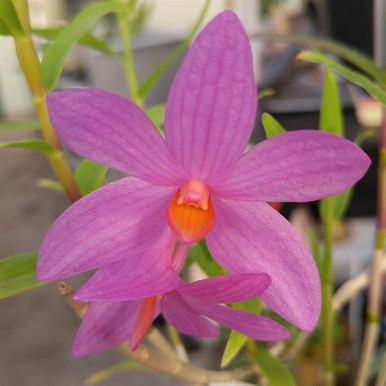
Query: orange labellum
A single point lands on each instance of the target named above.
(190, 213)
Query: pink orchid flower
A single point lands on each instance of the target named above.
(197, 182)
(186, 308)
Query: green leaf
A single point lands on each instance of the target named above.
(273, 368)
(32, 144)
(236, 340)
(9, 18)
(315, 249)
(89, 176)
(17, 274)
(56, 53)
(353, 76)
(340, 203)
(4, 30)
(266, 92)
(157, 116)
(351, 54)
(331, 119)
(86, 39)
(149, 83)
(51, 184)
(20, 125)
(271, 126)
(200, 254)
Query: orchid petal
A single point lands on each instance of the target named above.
(253, 237)
(105, 325)
(106, 226)
(211, 106)
(228, 288)
(255, 326)
(112, 130)
(298, 166)
(181, 316)
(141, 275)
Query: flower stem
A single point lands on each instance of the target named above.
(327, 292)
(30, 66)
(131, 73)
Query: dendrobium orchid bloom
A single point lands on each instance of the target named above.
(198, 182)
(107, 324)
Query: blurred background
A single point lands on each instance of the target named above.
(36, 329)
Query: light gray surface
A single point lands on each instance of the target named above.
(37, 328)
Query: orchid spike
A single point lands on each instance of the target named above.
(197, 182)
(187, 308)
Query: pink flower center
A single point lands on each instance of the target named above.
(190, 213)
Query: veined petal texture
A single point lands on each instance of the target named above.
(211, 106)
(181, 316)
(105, 325)
(297, 166)
(110, 224)
(228, 288)
(253, 237)
(110, 129)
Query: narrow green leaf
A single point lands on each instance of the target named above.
(199, 253)
(340, 203)
(51, 184)
(157, 115)
(273, 368)
(266, 92)
(351, 54)
(149, 83)
(9, 18)
(4, 30)
(236, 340)
(331, 119)
(353, 76)
(56, 53)
(87, 39)
(19, 125)
(271, 126)
(315, 249)
(89, 176)
(17, 274)
(32, 144)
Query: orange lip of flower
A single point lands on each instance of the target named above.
(190, 213)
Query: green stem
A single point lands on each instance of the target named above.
(131, 73)
(30, 66)
(327, 292)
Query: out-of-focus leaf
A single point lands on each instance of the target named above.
(157, 115)
(340, 203)
(86, 39)
(56, 53)
(363, 136)
(266, 92)
(351, 54)
(17, 274)
(89, 176)
(315, 249)
(353, 76)
(199, 253)
(104, 374)
(271, 126)
(19, 125)
(4, 30)
(155, 75)
(32, 144)
(9, 18)
(236, 340)
(273, 368)
(51, 184)
(331, 119)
